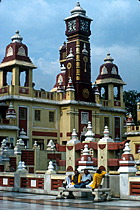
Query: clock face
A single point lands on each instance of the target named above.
(72, 25)
(85, 93)
(84, 25)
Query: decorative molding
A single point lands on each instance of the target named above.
(102, 146)
(9, 52)
(21, 51)
(69, 147)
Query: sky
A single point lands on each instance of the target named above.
(115, 29)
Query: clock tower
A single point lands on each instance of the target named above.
(78, 32)
(75, 54)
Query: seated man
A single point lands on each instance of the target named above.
(75, 180)
(96, 179)
(86, 179)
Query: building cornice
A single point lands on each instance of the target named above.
(8, 127)
(110, 109)
(17, 62)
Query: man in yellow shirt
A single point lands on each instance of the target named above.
(97, 178)
(75, 179)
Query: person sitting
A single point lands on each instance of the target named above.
(75, 179)
(86, 179)
(96, 179)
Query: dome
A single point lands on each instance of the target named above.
(108, 69)
(16, 50)
(16, 37)
(63, 47)
(78, 10)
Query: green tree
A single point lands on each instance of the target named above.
(131, 98)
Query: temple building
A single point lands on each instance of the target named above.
(75, 98)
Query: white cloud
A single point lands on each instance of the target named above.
(46, 67)
(125, 57)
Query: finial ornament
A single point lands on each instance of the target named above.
(108, 59)
(78, 4)
(16, 37)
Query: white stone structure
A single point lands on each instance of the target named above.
(127, 163)
(127, 168)
(21, 166)
(106, 137)
(70, 152)
(86, 161)
(89, 134)
(24, 137)
(74, 139)
(50, 168)
(11, 114)
(35, 144)
(51, 145)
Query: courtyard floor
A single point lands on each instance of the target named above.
(17, 201)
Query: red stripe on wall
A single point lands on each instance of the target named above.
(38, 133)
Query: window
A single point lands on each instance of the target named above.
(22, 114)
(137, 148)
(106, 121)
(84, 117)
(117, 122)
(51, 116)
(37, 115)
(12, 141)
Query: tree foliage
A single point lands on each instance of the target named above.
(131, 98)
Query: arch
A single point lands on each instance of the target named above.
(21, 51)
(9, 51)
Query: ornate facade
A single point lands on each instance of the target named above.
(72, 102)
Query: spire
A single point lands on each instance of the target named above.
(89, 134)
(70, 86)
(84, 51)
(130, 120)
(108, 59)
(16, 37)
(96, 89)
(60, 88)
(86, 161)
(127, 163)
(11, 114)
(74, 139)
(106, 137)
(70, 56)
(78, 10)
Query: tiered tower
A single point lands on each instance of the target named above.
(16, 60)
(75, 55)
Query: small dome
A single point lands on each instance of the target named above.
(108, 59)
(78, 10)
(16, 37)
(63, 47)
(17, 51)
(70, 86)
(108, 69)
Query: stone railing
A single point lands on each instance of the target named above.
(31, 183)
(44, 95)
(134, 186)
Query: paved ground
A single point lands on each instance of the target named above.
(17, 201)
